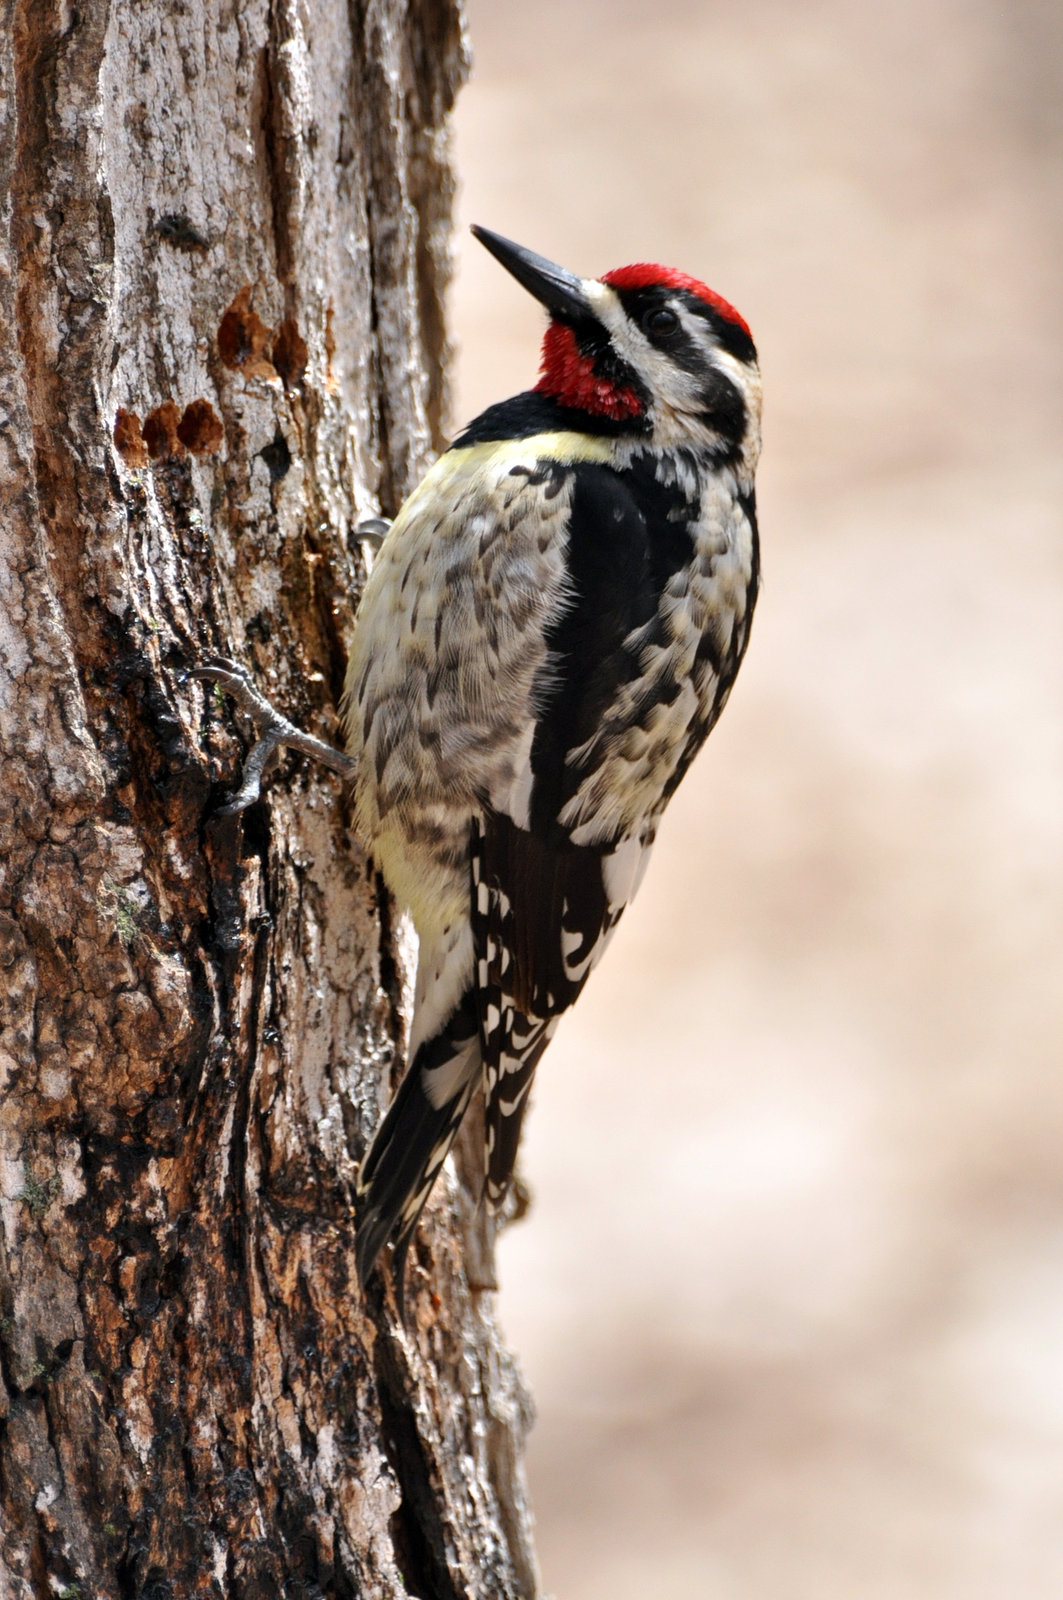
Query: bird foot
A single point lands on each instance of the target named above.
(274, 731)
(373, 531)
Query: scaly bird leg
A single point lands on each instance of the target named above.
(273, 731)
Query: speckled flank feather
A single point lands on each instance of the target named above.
(550, 630)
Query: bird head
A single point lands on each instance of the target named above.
(647, 350)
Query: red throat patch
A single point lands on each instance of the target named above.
(647, 275)
(567, 375)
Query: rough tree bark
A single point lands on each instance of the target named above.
(224, 242)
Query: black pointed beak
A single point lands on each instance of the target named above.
(561, 292)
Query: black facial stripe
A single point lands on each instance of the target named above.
(680, 348)
(724, 409)
(676, 343)
(594, 342)
(729, 336)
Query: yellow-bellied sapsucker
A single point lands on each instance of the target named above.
(550, 630)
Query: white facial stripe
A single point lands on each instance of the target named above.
(628, 340)
(673, 388)
(743, 378)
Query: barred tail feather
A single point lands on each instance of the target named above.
(506, 1089)
(414, 1140)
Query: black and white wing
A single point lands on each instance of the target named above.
(543, 912)
(552, 877)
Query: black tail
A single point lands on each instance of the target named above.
(412, 1143)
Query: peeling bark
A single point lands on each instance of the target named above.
(223, 246)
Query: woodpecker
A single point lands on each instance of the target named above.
(550, 630)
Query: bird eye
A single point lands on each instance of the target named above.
(660, 320)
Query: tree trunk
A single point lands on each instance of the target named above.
(224, 244)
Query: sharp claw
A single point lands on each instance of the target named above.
(250, 788)
(219, 667)
(239, 683)
(373, 531)
(273, 731)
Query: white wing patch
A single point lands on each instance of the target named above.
(623, 870)
(514, 796)
(444, 972)
(443, 1082)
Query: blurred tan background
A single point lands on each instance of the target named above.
(791, 1295)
